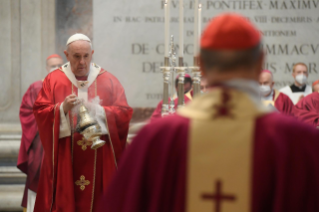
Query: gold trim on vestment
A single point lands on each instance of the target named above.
(102, 72)
(94, 175)
(272, 102)
(72, 126)
(277, 93)
(220, 150)
(94, 168)
(110, 142)
(53, 158)
(95, 88)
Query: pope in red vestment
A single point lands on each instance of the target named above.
(74, 176)
(224, 151)
(273, 97)
(307, 109)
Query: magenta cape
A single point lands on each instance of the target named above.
(73, 176)
(307, 109)
(284, 104)
(30, 153)
(152, 172)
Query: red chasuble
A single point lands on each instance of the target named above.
(248, 161)
(73, 176)
(30, 153)
(307, 109)
(283, 103)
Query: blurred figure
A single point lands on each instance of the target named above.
(188, 96)
(31, 151)
(224, 151)
(53, 62)
(299, 89)
(315, 86)
(307, 109)
(273, 97)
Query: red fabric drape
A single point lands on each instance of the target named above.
(30, 153)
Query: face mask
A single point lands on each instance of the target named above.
(264, 90)
(301, 79)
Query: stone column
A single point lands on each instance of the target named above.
(27, 38)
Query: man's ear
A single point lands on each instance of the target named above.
(92, 52)
(66, 55)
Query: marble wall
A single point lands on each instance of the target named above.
(27, 37)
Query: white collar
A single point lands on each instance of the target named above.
(250, 87)
(93, 73)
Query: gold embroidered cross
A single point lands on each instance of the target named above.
(84, 143)
(82, 182)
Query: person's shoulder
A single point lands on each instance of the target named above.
(312, 96)
(55, 75)
(171, 121)
(103, 72)
(286, 127)
(37, 83)
(284, 96)
(169, 124)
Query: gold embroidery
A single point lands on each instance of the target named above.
(53, 158)
(93, 187)
(84, 143)
(82, 182)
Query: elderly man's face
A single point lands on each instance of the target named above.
(266, 80)
(54, 63)
(79, 53)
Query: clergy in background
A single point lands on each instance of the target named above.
(299, 88)
(224, 151)
(74, 176)
(307, 109)
(31, 151)
(273, 97)
(187, 97)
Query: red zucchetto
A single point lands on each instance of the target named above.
(315, 83)
(267, 71)
(54, 56)
(230, 32)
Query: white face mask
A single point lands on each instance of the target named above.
(265, 90)
(301, 79)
